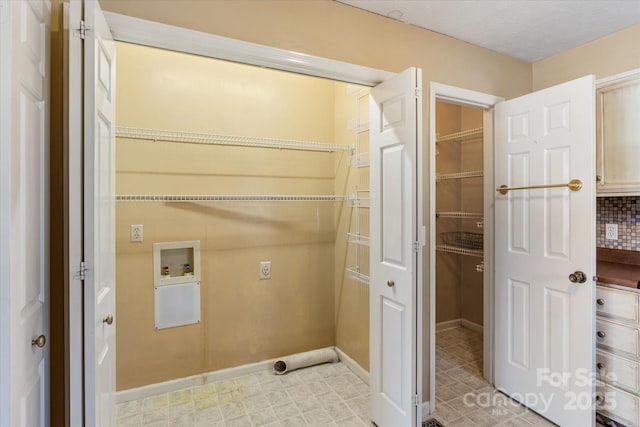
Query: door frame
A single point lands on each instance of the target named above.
(467, 98)
(154, 34)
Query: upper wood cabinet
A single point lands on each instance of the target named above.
(618, 135)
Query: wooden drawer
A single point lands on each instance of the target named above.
(620, 372)
(616, 303)
(618, 404)
(617, 337)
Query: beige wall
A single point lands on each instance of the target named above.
(609, 55)
(351, 297)
(244, 319)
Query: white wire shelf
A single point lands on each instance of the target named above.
(358, 239)
(227, 198)
(358, 276)
(213, 139)
(458, 250)
(360, 160)
(459, 175)
(463, 135)
(459, 215)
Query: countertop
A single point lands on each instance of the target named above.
(618, 267)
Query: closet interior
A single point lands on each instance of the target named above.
(459, 212)
(223, 170)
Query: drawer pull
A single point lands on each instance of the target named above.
(599, 398)
(601, 334)
(600, 366)
(600, 301)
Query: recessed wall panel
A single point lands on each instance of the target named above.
(518, 127)
(31, 141)
(557, 204)
(104, 70)
(393, 368)
(393, 112)
(557, 118)
(518, 327)
(518, 210)
(557, 335)
(393, 206)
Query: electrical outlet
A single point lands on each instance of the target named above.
(265, 270)
(136, 232)
(611, 232)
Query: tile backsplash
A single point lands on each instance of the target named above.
(624, 211)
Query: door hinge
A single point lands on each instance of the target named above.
(417, 400)
(418, 93)
(82, 272)
(416, 246)
(82, 31)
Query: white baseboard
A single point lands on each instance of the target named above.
(353, 365)
(441, 326)
(425, 409)
(222, 374)
(457, 323)
(470, 325)
(192, 381)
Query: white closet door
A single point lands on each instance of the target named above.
(544, 333)
(395, 215)
(24, 213)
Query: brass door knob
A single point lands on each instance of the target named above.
(39, 341)
(108, 320)
(578, 277)
(391, 283)
(600, 366)
(601, 334)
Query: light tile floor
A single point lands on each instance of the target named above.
(459, 373)
(324, 395)
(331, 395)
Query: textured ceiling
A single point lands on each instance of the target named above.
(530, 30)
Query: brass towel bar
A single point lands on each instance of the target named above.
(574, 185)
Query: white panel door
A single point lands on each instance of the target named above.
(394, 135)
(544, 334)
(24, 213)
(99, 218)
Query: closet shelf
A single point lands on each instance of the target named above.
(227, 198)
(358, 276)
(358, 239)
(459, 215)
(463, 135)
(213, 139)
(459, 250)
(458, 175)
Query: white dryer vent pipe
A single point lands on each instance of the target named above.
(304, 360)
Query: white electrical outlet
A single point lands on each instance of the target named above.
(611, 232)
(136, 232)
(265, 270)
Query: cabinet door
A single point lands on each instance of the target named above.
(618, 137)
